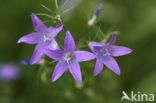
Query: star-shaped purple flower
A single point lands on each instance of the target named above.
(104, 54)
(69, 58)
(44, 38)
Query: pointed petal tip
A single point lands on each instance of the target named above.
(113, 39)
(61, 25)
(95, 74)
(130, 50)
(114, 34)
(79, 81)
(19, 41)
(32, 15)
(118, 73)
(68, 32)
(53, 80)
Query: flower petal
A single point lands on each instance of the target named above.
(113, 39)
(97, 49)
(56, 30)
(69, 42)
(37, 55)
(32, 38)
(38, 24)
(60, 68)
(74, 69)
(119, 50)
(84, 56)
(54, 54)
(93, 44)
(54, 46)
(112, 64)
(98, 67)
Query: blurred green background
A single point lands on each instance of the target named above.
(134, 19)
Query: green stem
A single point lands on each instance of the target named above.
(56, 4)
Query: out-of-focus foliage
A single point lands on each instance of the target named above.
(134, 19)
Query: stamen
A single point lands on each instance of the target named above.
(47, 37)
(106, 53)
(69, 56)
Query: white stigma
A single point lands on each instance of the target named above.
(47, 38)
(106, 53)
(69, 56)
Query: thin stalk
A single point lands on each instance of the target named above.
(56, 4)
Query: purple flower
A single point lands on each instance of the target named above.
(9, 72)
(25, 62)
(69, 58)
(104, 53)
(44, 38)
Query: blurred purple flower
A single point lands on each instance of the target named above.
(44, 38)
(25, 62)
(68, 7)
(104, 53)
(9, 72)
(69, 58)
(97, 13)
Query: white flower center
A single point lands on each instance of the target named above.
(69, 56)
(106, 53)
(47, 37)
